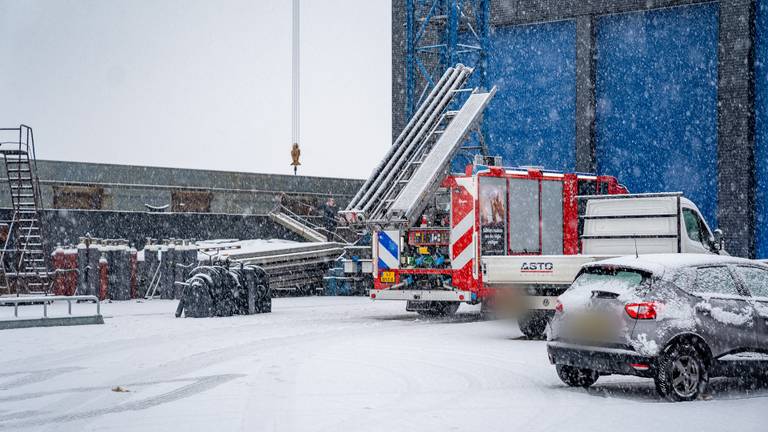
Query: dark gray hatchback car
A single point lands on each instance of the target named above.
(677, 318)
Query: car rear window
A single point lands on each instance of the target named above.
(615, 280)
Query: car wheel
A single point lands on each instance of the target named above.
(533, 324)
(682, 374)
(576, 377)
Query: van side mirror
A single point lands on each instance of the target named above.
(719, 240)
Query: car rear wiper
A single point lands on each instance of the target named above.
(604, 294)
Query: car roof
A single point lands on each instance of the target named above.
(658, 264)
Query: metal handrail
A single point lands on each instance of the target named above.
(49, 299)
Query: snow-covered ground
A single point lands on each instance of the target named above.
(324, 364)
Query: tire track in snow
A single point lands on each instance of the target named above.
(198, 385)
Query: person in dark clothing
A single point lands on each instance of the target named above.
(329, 212)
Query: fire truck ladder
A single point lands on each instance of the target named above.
(23, 264)
(397, 190)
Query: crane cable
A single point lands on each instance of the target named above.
(295, 89)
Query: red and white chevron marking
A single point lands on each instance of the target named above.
(462, 242)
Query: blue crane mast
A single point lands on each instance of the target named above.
(438, 35)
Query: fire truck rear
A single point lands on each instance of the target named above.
(528, 216)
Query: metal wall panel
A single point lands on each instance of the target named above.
(761, 127)
(656, 91)
(530, 121)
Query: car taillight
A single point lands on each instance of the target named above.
(559, 307)
(644, 311)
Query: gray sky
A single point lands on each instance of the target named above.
(199, 84)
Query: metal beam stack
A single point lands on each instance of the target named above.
(395, 192)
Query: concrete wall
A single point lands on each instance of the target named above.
(734, 190)
(65, 227)
(129, 188)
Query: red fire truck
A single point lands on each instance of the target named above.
(513, 237)
(521, 214)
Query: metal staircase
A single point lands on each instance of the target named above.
(421, 155)
(23, 261)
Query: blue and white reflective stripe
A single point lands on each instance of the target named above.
(388, 250)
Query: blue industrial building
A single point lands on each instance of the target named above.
(761, 126)
(666, 95)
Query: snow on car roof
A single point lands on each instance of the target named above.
(659, 263)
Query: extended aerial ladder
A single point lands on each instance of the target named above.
(23, 261)
(397, 191)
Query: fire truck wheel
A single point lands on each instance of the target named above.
(440, 309)
(486, 311)
(533, 324)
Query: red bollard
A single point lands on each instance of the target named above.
(134, 270)
(103, 278)
(70, 277)
(59, 282)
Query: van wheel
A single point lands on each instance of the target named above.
(682, 374)
(576, 377)
(533, 324)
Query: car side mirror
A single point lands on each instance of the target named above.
(719, 240)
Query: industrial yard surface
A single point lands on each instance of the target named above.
(323, 364)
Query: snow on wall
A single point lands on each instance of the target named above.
(656, 101)
(761, 126)
(531, 120)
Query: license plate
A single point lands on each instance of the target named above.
(595, 327)
(387, 277)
